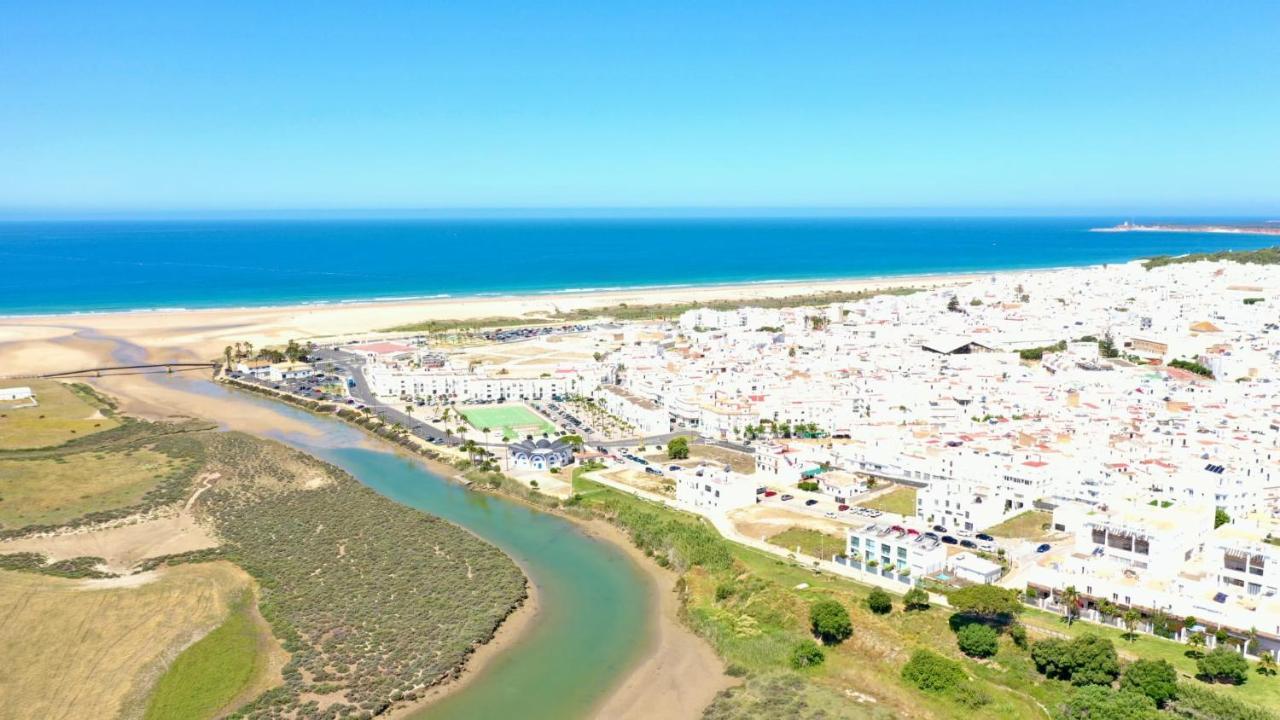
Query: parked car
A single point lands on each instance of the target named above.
(674, 468)
(810, 502)
(939, 528)
(949, 540)
(984, 536)
(1044, 548)
(842, 507)
(785, 498)
(830, 514)
(653, 471)
(770, 493)
(968, 544)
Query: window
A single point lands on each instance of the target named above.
(855, 542)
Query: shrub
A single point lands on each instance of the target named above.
(1224, 665)
(1102, 703)
(879, 602)
(977, 640)
(724, 591)
(830, 621)
(1154, 678)
(805, 654)
(1018, 634)
(1086, 660)
(916, 599)
(807, 485)
(931, 672)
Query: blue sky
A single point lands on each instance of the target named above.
(1168, 106)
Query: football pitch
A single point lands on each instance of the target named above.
(513, 420)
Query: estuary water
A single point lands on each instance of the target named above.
(595, 612)
(79, 266)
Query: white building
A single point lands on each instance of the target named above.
(714, 488)
(289, 371)
(971, 568)
(646, 416)
(15, 393)
(894, 551)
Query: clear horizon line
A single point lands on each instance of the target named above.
(622, 211)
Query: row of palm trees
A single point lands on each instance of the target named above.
(1073, 601)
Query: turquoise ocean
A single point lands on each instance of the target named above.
(77, 266)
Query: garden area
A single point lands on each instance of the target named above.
(901, 500)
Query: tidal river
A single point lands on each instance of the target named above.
(594, 612)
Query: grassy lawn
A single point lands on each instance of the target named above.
(207, 676)
(71, 651)
(811, 542)
(901, 500)
(60, 415)
(1029, 525)
(1259, 690)
(51, 491)
(512, 420)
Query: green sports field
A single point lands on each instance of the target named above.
(513, 420)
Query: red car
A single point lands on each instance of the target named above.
(770, 493)
(842, 508)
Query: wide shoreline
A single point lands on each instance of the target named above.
(30, 344)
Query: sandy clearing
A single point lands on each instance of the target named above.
(763, 522)
(123, 546)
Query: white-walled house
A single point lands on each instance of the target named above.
(894, 551)
(714, 488)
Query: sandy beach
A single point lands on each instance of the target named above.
(30, 344)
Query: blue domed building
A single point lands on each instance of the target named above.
(541, 454)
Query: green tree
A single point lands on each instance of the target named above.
(1099, 703)
(1197, 640)
(805, 654)
(1220, 518)
(986, 600)
(1266, 663)
(916, 599)
(226, 353)
(1223, 665)
(977, 640)
(879, 602)
(1156, 679)
(1086, 660)
(678, 448)
(1093, 660)
(830, 622)
(932, 672)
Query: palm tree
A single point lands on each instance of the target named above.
(1267, 663)
(1070, 597)
(226, 353)
(1131, 618)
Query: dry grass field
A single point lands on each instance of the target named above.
(61, 414)
(95, 648)
(59, 489)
